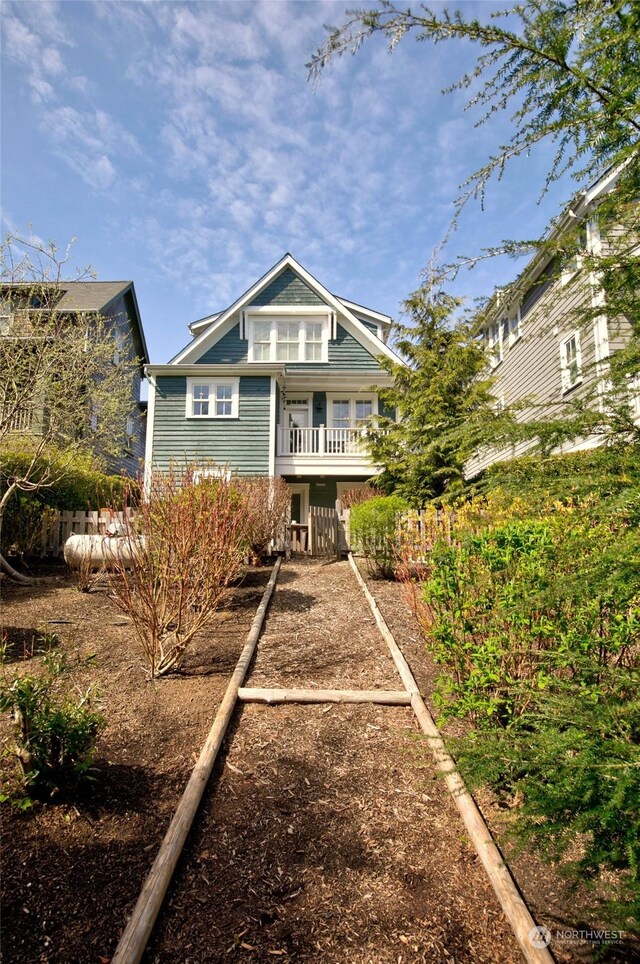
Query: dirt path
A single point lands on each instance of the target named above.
(326, 835)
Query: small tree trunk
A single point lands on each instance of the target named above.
(4, 565)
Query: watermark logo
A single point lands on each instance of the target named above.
(539, 937)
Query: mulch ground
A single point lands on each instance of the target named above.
(325, 834)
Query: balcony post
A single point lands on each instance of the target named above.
(321, 440)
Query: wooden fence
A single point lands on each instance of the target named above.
(323, 532)
(58, 526)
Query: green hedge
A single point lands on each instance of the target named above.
(373, 530)
(80, 488)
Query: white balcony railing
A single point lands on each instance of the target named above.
(321, 441)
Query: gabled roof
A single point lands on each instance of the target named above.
(505, 297)
(98, 296)
(212, 327)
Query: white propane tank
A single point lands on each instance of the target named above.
(103, 552)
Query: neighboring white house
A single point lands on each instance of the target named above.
(540, 353)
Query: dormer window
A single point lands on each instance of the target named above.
(287, 335)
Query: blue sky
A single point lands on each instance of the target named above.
(182, 145)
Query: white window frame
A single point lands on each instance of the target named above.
(119, 340)
(574, 264)
(569, 383)
(213, 384)
(494, 341)
(212, 472)
(514, 320)
(303, 315)
(352, 399)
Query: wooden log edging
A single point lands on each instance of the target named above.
(384, 697)
(138, 930)
(514, 908)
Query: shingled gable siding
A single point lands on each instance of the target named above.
(242, 442)
(345, 353)
(230, 349)
(287, 289)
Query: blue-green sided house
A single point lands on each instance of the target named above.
(278, 384)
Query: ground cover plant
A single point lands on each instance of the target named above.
(55, 729)
(531, 607)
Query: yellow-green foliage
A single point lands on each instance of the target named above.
(531, 606)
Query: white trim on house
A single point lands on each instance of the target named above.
(212, 402)
(315, 465)
(302, 315)
(356, 309)
(148, 445)
(360, 332)
(273, 420)
(301, 489)
(567, 364)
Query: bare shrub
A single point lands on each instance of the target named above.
(265, 503)
(85, 571)
(188, 542)
(358, 495)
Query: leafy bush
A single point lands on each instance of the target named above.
(532, 609)
(373, 528)
(55, 732)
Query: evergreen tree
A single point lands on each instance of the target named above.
(444, 404)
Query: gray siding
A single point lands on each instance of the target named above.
(287, 289)
(530, 371)
(130, 461)
(241, 442)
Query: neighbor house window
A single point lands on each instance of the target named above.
(495, 343)
(285, 337)
(515, 329)
(212, 399)
(571, 362)
(574, 262)
(119, 346)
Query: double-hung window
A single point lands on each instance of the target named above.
(515, 329)
(288, 340)
(571, 362)
(495, 343)
(212, 398)
(262, 340)
(350, 411)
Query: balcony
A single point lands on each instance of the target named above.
(326, 451)
(321, 441)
